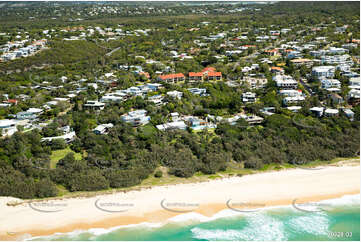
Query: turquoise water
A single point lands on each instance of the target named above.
(281, 223)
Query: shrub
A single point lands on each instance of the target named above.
(158, 174)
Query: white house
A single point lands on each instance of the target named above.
(321, 72)
(248, 97)
(172, 125)
(330, 83)
(94, 105)
(136, 118)
(67, 137)
(285, 82)
(330, 112)
(102, 128)
(175, 94)
(317, 110)
(7, 127)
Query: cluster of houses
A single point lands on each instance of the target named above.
(207, 74)
(17, 49)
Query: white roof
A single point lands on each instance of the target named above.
(6, 122)
(317, 109)
(322, 68)
(294, 108)
(331, 111)
(34, 110)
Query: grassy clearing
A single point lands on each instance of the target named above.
(57, 155)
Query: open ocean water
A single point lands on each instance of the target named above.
(334, 219)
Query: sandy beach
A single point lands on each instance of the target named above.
(160, 203)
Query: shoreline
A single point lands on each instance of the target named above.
(115, 223)
(269, 189)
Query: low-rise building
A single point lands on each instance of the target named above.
(172, 126)
(349, 113)
(323, 72)
(285, 82)
(31, 113)
(175, 94)
(330, 112)
(255, 83)
(195, 76)
(94, 105)
(68, 137)
(249, 97)
(198, 91)
(172, 78)
(7, 127)
(103, 128)
(136, 118)
(330, 83)
(318, 111)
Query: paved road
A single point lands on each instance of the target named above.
(307, 87)
(111, 52)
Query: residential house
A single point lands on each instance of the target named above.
(285, 82)
(302, 61)
(318, 111)
(94, 105)
(277, 70)
(31, 113)
(329, 112)
(172, 78)
(294, 109)
(195, 76)
(255, 83)
(249, 97)
(172, 126)
(268, 111)
(349, 113)
(175, 94)
(111, 98)
(136, 118)
(68, 137)
(156, 99)
(330, 83)
(7, 127)
(321, 72)
(337, 99)
(198, 91)
(214, 76)
(103, 128)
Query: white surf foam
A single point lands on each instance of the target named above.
(260, 227)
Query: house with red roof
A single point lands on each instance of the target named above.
(207, 69)
(276, 69)
(172, 78)
(271, 52)
(195, 76)
(214, 76)
(11, 101)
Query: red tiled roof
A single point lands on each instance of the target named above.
(214, 73)
(192, 74)
(171, 76)
(249, 46)
(209, 69)
(12, 101)
(276, 68)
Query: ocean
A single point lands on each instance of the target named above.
(334, 219)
